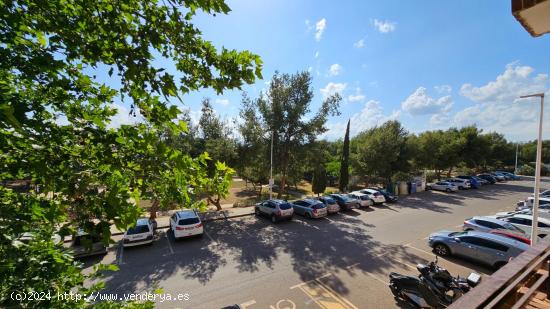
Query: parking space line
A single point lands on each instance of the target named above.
(309, 281)
(352, 265)
(325, 297)
(421, 250)
(169, 244)
(120, 254)
(335, 294)
(210, 237)
(377, 279)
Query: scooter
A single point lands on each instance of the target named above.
(431, 288)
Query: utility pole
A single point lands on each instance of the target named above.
(534, 226)
(516, 166)
(271, 182)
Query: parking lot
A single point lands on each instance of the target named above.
(341, 261)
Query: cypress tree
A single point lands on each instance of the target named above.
(344, 163)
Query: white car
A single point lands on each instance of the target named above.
(364, 199)
(374, 195)
(141, 234)
(442, 186)
(525, 223)
(186, 223)
(462, 184)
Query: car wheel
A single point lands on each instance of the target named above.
(441, 250)
(257, 211)
(273, 219)
(498, 265)
(448, 190)
(308, 215)
(428, 188)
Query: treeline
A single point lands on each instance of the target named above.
(382, 154)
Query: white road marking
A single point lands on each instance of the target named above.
(169, 244)
(421, 250)
(121, 252)
(306, 282)
(352, 265)
(247, 303)
(208, 235)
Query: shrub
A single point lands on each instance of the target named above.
(526, 170)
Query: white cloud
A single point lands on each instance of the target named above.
(123, 117)
(498, 107)
(335, 69)
(223, 102)
(359, 44)
(371, 115)
(320, 27)
(420, 103)
(443, 88)
(358, 96)
(309, 26)
(507, 87)
(316, 54)
(332, 88)
(384, 26)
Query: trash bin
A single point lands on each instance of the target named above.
(413, 187)
(403, 188)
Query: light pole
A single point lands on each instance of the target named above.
(534, 223)
(516, 166)
(271, 182)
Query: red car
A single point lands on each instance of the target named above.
(513, 235)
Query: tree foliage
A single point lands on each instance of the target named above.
(55, 112)
(319, 181)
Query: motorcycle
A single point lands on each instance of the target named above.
(433, 288)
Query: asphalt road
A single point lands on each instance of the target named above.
(342, 261)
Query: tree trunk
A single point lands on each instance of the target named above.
(154, 208)
(216, 203)
(449, 172)
(260, 192)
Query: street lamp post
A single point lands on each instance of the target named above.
(516, 166)
(534, 226)
(271, 182)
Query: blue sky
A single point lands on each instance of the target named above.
(429, 64)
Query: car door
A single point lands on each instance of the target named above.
(490, 252)
(264, 207)
(467, 246)
(299, 207)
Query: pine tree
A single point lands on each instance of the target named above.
(319, 182)
(344, 164)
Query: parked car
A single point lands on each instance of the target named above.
(140, 234)
(310, 208)
(332, 206)
(517, 236)
(442, 186)
(488, 177)
(462, 184)
(364, 199)
(482, 181)
(276, 210)
(544, 202)
(374, 195)
(525, 223)
(84, 244)
(390, 198)
(490, 249)
(510, 176)
(474, 183)
(498, 177)
(487, 224)
(545, 193)
(543, 213)
(186, 223)
(345, 202)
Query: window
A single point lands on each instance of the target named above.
(518, 221)
(189, 221)
(285, 206)
(540, 224)
(269, 205)
(139, 229)
(494, 245)
(488, 224)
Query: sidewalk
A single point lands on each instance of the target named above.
(163, 217)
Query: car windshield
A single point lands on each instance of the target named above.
(138, 230)
(285, 206)
(329, 200)
(455, 234)
(188, 221)
(318, 206)
(510, 226)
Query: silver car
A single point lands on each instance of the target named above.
(442, 186)
(525, 223)
(487, 224)
(275, 209)
(83, 245)
(462, 184)
(310, 208)
(490, 249)
(332, 206)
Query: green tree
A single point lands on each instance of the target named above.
(344, 163)
(283, 110)
(381, 152)
(437, 150)
(216, 186)
(319, 182)
(55, 114)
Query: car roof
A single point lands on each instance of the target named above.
(310, 201)
(530, 217)
(357, 193)
(186, 213)
(489, 219)
(142, 221)
(497, 238)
